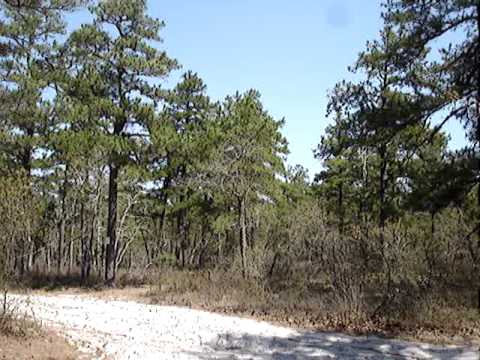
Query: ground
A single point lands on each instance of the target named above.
(122, 330)
(47, 346)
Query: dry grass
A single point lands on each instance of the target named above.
(67, 281)
(14, 323)
(44, 346)
(296, 304)
(441, 321)
(21, 337)
(322, 310)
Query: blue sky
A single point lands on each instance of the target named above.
(293, 52)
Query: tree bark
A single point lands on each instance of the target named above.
(86, 245)
(341, 212)
(71, 244)
(477, 53)
(61, 229)
(243, 234)
(111, 246)
(382, 191)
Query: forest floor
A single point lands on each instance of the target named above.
(107, 326)
(45, 346)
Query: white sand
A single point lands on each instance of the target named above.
(120, 330)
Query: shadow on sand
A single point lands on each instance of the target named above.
(328, 346)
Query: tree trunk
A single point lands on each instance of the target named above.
(47, 259)
(99, 250)
(243, 234)
(85, 246)
(432, 229)
(61, 227)
(163, 222)
(90, 253)
(341, 213)
(430, 256)
(111, 246)
(61, 239)
(31, 254)
(477, 53)
(382, 190)
(71, 246)
(183, 234)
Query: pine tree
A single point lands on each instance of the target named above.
(248, 159)
(376, 110)
(456, 66)
(28, 32)
(177, 138)
(116, 80)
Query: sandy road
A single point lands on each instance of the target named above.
(121, 330)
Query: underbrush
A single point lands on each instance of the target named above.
(349, 303)
(14, 323)
(443, 318)
(38, 280)
(435, 317)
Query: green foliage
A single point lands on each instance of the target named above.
(249, 149)
(28, 35)
(102, 168)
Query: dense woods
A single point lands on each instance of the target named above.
(104, 171)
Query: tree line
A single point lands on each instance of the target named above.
(103, 169)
